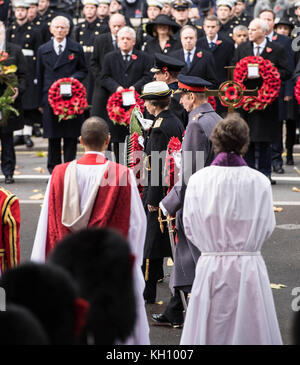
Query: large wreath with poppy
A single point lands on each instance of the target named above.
(67, 107)
(269, 90)
(297, 90)
(119, 114)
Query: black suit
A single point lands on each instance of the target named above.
(50, 68)
(103, 45)
(115, 72)
(202, 65)
(153, 46)
(263, 124)
(222, 53)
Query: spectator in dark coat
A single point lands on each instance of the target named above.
(58, 58)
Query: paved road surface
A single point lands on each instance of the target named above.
(281, 252)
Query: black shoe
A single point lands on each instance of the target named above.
(273, 182)
(28, 141)
(290, 160)
(278, 170)
(9, 179)
(162, 319)
(36, 131)
(18, 140)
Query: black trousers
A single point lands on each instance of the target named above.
(8, 155)
(259, 157)
(174, 310)
(54, 151)
(153, 271)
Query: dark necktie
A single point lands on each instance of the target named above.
(60, 49)
(126, 58)
(257, 51)
(211, 45)
(188, 60)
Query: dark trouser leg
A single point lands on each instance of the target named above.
(277, 149)
(152, 271)
(174, 310)
(70, 149)
(250, 155)
(54, 153)
(265, 158)
(290, 138)
(8, 156)
(259, 157)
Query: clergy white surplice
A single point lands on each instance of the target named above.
(230, 209)
(86, 177)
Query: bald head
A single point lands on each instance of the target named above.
(95, 133)
(116, 22)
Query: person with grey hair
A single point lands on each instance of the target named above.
(124, 68)
(263, 124)
(58, 58)
(240, 35)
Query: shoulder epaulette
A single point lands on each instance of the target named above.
(158, 123)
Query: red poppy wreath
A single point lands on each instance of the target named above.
(297, 90)
(269, 90)
(67, 107)
(117, 113)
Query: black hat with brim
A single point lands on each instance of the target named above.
(192, 84)
(284, 21)
(162, 20)
(166, 63)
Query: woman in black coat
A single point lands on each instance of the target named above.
(166, 125)
(162, 30)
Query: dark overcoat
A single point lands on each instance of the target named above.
(103, 45)
(153, 46)
(50, 68)
(203, 65)
(222, 53)
(202, 121)
(165, 126)
(85, 34)
(115, 72)
(263, 124)
(15, 57)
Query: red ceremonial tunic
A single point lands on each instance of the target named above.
(112, 205)
(10, 230)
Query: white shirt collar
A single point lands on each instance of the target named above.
(191, 51)
(270, 36)
(129, 53)
(262, 45)
(55, 44)
(214, 40)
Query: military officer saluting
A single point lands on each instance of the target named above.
(23, 33)
(85, 34)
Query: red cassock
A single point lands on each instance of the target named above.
(9, 228)
(110, 210)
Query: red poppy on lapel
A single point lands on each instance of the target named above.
(218, 42)
(134, 56)
(274, 37)
(167, 45)
(269, 50)
(71, 56)
(199, 54)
